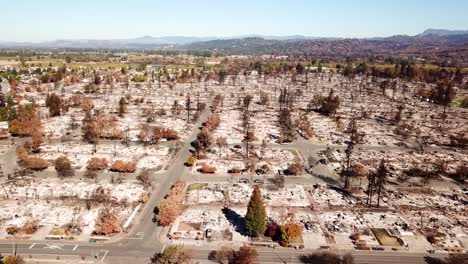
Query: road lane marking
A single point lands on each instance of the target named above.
(139, 235)
(105, 254)
(32, 245)
(76, 246)
(52, 246)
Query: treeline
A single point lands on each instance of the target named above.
(404, 70)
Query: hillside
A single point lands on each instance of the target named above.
(451, 47)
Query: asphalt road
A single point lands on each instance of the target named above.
(113, 253)
(294, 256)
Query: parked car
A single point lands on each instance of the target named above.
(155, 214)
(244, 180)
(156, 210)
(258, 181)
(209, 233)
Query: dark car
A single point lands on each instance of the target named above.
(155, 214)
(244, 180)
(209, 233)
(156, 210)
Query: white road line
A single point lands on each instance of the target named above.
(53, 246)
(76, 246)
(32, 245)
(105, 254)
(139, 235)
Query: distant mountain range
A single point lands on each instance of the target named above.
(141, 42)
(444, 46)
(443, 32)
(172, 41)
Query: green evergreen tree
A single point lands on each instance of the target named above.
(255, 219)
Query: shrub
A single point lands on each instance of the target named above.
(145, 178)
(191, 161)
(97, 164)
(205, 168)
(355, 236)
(223, 256)
(22, 156)
(272, 231)
(278, 181)
(123, 166)
(169, 134)
(464, 102)
(36, 140)
(249, 137)
(63, 167)
(362, 246)
(13, 260)
(283, 243)
(245, 255)
(138, 78)
(432, 239)
(30, 227)
(294, 168)
(90, 174)
(36, 163)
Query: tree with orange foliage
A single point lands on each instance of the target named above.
(36, 163)
(169, 210)
(171, 207)
(212, 122)
(169, 134)
(37, 140)
(291, 232)
(87, 104)
(123, 166)
(26, 121)
(207, 169)
(97, 164)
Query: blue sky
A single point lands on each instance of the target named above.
(39, 20)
